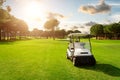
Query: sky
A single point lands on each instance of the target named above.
(72, 14)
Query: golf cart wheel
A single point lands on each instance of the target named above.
(75, 62)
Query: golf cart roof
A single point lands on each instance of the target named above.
(77, 34)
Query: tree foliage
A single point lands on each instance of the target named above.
(96, 29)
(111, 31)
(50, 25)
(77, 31)
(10, 26)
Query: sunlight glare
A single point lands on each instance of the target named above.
(35, 14)
(34, 10)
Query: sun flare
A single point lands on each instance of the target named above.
(34, 14)
(34, 10)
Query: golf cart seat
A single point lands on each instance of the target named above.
(70, 46)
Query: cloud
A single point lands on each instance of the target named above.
(115, 4)
(51, 15)
(74, 27)
(102, 7)
(90, 23)
(116, 17)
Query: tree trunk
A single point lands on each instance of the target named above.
(105, 36)
(115, 36)
(53, 34)
(8, 36)
(3, 35)
(0, 34)
(96, 37)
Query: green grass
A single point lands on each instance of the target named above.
(46, 60)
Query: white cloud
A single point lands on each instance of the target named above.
(52, 15)
(101, 7)
(76, 26)
(116, 17)
(115, 4)
(90, 23)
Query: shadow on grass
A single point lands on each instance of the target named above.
(9, 42)
(6, 42)
(105, 68)
(62, 40)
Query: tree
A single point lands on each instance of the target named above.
(5, 17)
(106, 32)
(97, 30)
(60, 33)
(114, 29)
(10, 26)
(77, 31)
(70, 31)
(21, 28)
(8, 8)
(63, 33)
(46, 34)
(37, 33)
(51, 24)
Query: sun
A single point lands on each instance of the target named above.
(34, 10)
(34, 14)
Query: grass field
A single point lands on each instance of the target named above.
(46, 60)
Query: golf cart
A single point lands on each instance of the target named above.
(79, 49)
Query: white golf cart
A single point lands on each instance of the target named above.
(79, 49)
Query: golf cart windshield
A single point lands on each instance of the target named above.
(80, 40)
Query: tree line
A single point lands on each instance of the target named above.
(110, 31)
(36, 33)
(11, 27)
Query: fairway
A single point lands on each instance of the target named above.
(45, 59)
